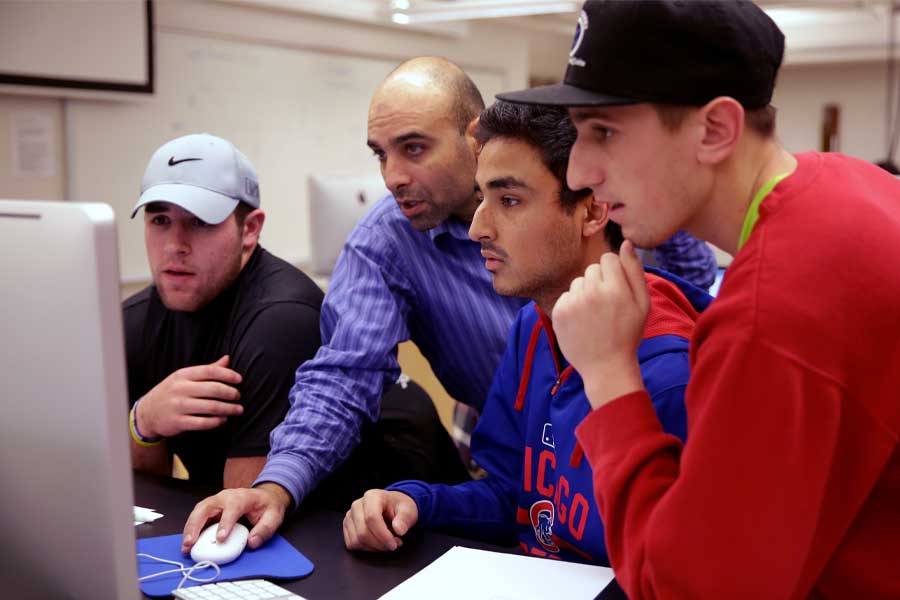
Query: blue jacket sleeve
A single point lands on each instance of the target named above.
(483, 509)
(665, 376)
(364, 317)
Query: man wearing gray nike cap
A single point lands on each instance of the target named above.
(213, 342)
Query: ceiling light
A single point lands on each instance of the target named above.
(430, 11)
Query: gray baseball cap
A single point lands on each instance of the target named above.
(203, 174)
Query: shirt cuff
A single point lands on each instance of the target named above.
(420, 492)
(610, 430)
(291, 474)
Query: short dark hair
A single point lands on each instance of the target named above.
(240, 213)
(760, 120)
(467, 101)
(548, 130)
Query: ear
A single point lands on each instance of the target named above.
(597, 216)
(253, 225)
(474, 146)
(722, 120)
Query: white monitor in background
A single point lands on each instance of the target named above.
(66, 511)
(335, 205)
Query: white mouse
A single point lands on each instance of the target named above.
(221, 553)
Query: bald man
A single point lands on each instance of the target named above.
(408, 271)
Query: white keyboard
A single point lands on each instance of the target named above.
(247, 589)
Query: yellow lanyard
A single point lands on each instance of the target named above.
(753, 210)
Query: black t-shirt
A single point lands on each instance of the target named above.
(267, 322)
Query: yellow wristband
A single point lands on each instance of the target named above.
(135, 434)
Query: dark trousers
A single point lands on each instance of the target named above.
(407, 442)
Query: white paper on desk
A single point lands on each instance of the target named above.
(483, 575)
(145, 515)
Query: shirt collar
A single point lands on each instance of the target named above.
(452, 227)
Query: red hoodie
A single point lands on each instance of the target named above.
(789, 486)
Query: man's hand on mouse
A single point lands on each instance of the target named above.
(264, 506)
(376, 521)
(190, 399)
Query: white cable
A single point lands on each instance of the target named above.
(186, 571)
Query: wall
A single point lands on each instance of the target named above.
(258, 77)
(291, 90)
(548, 54)
(96, 45)
(859, 89)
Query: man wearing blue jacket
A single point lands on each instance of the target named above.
(537, 236)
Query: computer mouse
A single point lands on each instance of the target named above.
(221, 553)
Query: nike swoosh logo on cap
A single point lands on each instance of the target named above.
(173, 162)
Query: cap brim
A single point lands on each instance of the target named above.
(562, 94)
(211, 207)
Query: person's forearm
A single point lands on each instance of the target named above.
(155, 459)
(483, 509)
(342, 385)
(322, 427)
(612, 379)
(240, 472)
(148, 455)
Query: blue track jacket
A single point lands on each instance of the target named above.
(539, 488)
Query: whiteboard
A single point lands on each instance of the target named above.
(91, 44)
(293, 112)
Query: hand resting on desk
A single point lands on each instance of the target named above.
(264, 506)
(366, 524)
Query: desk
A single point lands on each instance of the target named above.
(317, 533)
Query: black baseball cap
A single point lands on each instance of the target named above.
(683, 52)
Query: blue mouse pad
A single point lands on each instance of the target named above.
(276, 559)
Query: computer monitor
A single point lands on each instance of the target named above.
(335, 205)
(66, 507)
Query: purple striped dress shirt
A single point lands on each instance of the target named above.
(391, 283)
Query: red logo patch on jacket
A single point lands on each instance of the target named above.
(542, 516)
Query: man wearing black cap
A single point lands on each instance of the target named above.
(790, 484)
(213, 343)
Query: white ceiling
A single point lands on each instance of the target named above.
(816, 30)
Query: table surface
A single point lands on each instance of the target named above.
(317, 533)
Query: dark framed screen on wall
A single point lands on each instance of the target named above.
(98, 45)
